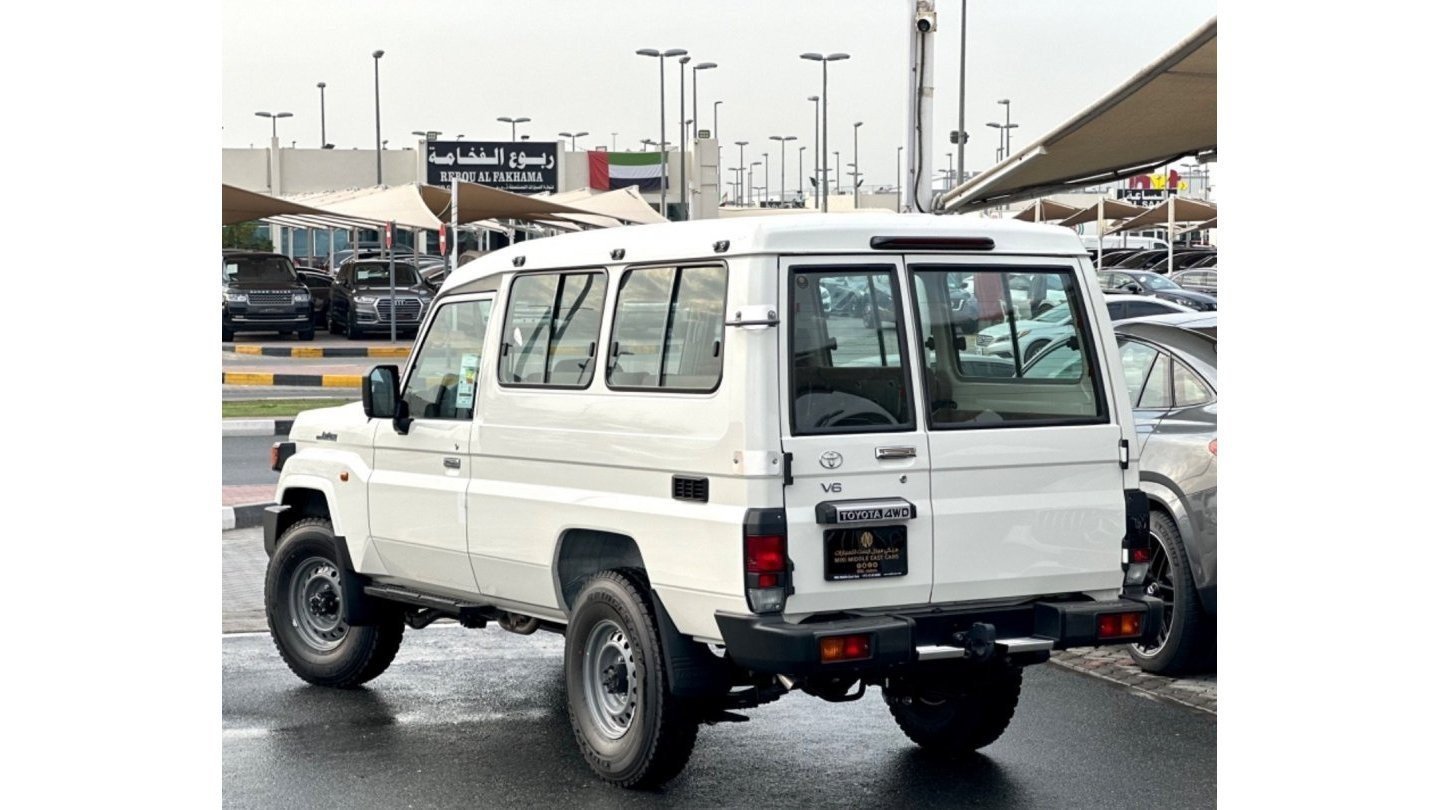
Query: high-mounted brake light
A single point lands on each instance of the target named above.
(767, 565)
(932, 243)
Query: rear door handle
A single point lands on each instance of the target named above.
(884, 453)
(452, 463)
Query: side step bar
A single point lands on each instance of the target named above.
(470, 614)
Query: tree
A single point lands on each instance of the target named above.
(243, 236)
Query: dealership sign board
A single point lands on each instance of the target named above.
(524, 167)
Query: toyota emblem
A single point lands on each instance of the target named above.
(831, 460)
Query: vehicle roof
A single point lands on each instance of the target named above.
(802, 233)
(1179, 310)
(248, 254)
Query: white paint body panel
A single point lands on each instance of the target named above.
(1006, 514)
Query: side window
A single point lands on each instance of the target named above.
(669, 324)
(848, 372)
(1156, 394)
(1189, 388)
(1136, 360)
(551, 325)
(1141, 308)
(442, 380)
(1003, 347)
(1116, 309)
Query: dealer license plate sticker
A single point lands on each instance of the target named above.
(865, 553)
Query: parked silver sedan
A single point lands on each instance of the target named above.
(1171, 373)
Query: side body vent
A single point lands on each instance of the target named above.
(690, 488)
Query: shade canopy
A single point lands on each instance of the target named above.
(1106, 210)
(1204, 226)
(1185, 211)
(1165, 112)
(240, 205)
(1045, 211)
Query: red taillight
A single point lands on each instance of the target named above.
(1212, 448)
(844, 648)
(1119, 625)
(765, 554)
(1139, 555)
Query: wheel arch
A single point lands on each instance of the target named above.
(1166, 496)
(583, 552)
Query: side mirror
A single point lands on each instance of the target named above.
(380, 392)
(1133, 288)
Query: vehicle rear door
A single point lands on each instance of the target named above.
(1026, 483)
(858, 510)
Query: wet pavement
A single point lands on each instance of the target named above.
(468, 718)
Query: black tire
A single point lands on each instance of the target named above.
(352, 332)
(307, 334)
(652, 745)
(351, 655)
(227, 335)
(1034, 349)
(1187, 641)
(956, 713)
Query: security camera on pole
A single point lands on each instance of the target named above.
(920, 100)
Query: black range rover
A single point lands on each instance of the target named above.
(263, 294)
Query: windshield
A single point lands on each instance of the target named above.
(1159, 283)
(1060, 314)
(378, 275)
(259, 270)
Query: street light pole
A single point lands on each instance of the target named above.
(715, 120)
(751, 192)
(572, 136)
(684, 186)
(1006, 102)
(379, 146)
(766, 198)
(321, 85)
(695, 90)
(825, 116)
(819, 153)
(745, 198)
(273, 118)
(512, 122)
(664, 180)
(800, 176)
(960, 147)
(858, 124)
(782, 140)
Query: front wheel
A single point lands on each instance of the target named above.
(304, 606)
(632, 731)
(955, 713)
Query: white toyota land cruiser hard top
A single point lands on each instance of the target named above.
(730, 459)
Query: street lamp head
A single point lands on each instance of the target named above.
(581, 134)
(521, 120)
(283, 115)
(705, 66)
(1003, 101)
(675, 52)
(378, 54)
(263, 114)
(684, 60)
(813, 57)
(648, 52)
(320, 85)
(859, 123)
(836, 57)
(994, 124)
(742, 143)
(566, 135)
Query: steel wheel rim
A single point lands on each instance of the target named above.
(1159, 583)
(315, 604)
(611, 687)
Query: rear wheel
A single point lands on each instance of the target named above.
(307, 334)
(955, 713)
(305, 608)
(352, 332)
(631, 730)
(1185, 642)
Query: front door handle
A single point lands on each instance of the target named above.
(884, 453)
(452, 463)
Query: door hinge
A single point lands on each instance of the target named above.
(1124, 454)
(785, 463)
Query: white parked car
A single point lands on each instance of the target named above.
(658, 441)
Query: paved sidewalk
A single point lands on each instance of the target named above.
(1114, 664)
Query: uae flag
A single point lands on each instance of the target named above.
(611, 170)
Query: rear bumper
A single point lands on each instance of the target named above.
(1023, 633)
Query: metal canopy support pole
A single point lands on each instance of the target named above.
(1170, 235)
(452, 260)
(391, 250)
(684, 187)
(1100, 234)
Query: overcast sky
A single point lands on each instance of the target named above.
(456, 65)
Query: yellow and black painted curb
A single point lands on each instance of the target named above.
(311, 380)
(323, 351)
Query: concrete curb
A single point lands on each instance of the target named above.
(241, 517)
(309, 380)
(323, 351)
(256, 427)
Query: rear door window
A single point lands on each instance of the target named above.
(848, 372)
(669, 325)
(986, 333)
(552, 322)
